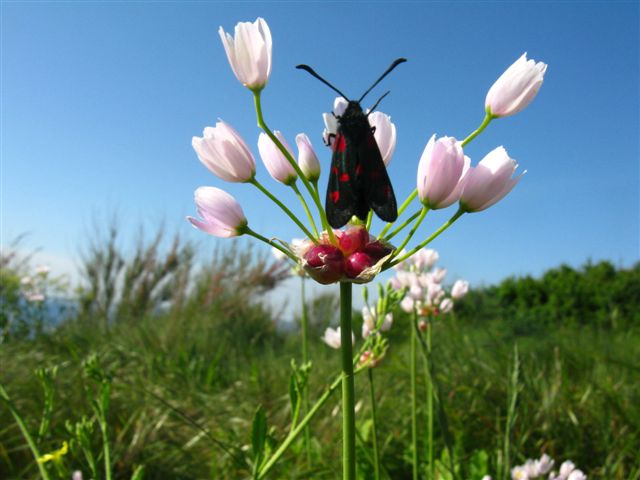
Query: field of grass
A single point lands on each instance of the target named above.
(183, 386)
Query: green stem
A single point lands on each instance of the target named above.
(294, 164)
(429, 394)
(246, 230)
(402, 226)
(487, 120)
(423, 213)
(376, 455)
(284, 208)
(402, 208)
(414, 398)
(305, 359)
(296, 431)
(348, 393)
(105, 448)
(25, 433)
(369, 220)
(295, 188)
(444, 226)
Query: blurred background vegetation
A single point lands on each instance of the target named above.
(188, 350)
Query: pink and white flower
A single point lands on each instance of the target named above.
(249, 52)
(274, 160)
(223, 151)
(440, 170)
(515, 88)
(307, 159)
(221, 214)
(489, 181)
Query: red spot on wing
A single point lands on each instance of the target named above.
(344, 177)
(335, 196)
(359, 169)
(339, 144)
(334, 170)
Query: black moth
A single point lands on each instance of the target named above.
(358, 180)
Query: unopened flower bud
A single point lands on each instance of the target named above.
(324, 263)
(356, 263)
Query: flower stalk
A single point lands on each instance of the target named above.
(348, 392)
(376, 455)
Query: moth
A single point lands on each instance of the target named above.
(358, 179)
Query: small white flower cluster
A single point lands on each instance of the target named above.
(34, 286)
(533, 469)
(425, 293)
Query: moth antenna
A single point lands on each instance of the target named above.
(313, 73)
(387, 72)
(376, 104)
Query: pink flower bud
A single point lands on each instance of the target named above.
(515, 88)
(249, 52)
(385, 134)
(356, 263)
(489, 182)
(324, 263)
(439, 172)
(222, 215)
(307, 159)
(459, 289)
(352, 239)
(223, 151)
(277, 164)
(422, 326)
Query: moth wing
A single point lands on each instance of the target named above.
(378, 192)
(342, 189)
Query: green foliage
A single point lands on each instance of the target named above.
(596, 294)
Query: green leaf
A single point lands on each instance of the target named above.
(258, 433)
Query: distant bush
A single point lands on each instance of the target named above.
(597, 294)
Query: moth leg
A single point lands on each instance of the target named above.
(330, 139)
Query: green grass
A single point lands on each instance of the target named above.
(185, 386)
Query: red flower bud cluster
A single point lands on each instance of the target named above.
(356, 253)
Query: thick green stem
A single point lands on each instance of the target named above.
(25, 433)
(487, 120)
(444, 226)
(304, 320)
(376, 455)
(348, 391)
(284, 208)
(402, 208)
(313, 193)
(414, 398)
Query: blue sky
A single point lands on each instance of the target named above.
(100, 101)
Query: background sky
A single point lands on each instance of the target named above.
(100, 102)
